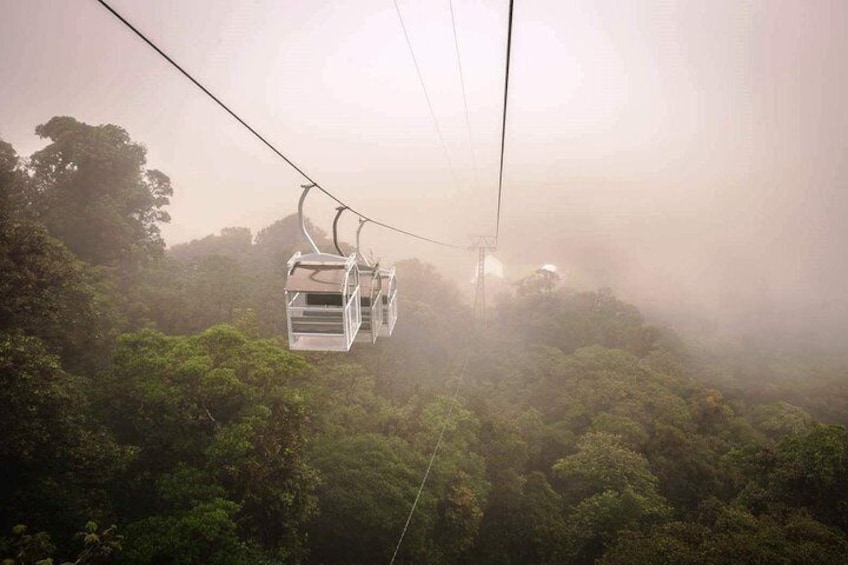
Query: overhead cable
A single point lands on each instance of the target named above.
(464, 97)
(262, 139)
(426, 95)
(503, 128)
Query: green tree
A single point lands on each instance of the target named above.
(571, 320)
(46, 292)
(185, 298)
(612, 489)
(93, 192)
(543, 282)
(523, 522)
(54, 459)
(459, 512)
(368, 483)
(811, 472)
(204, 533)
(602, 463)
(233, 243)
(27, 549)
(458, 476)
(227, 407)
(727, 533)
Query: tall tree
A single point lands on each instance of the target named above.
(614, 490)
(44, 290)
(93, 192)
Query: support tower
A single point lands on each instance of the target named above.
(482, 244)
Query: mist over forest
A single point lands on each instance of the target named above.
(690, 156)
(154, 413)
(657, 371)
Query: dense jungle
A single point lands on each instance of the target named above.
(151, 411)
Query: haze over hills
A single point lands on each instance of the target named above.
(671, 388)
(153, 413)
(687, 156)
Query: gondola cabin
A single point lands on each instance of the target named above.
(371, 300)
(323, 305)
(390, 313)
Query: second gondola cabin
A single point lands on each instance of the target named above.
(371, 300)
(323, 304)
(390, 312)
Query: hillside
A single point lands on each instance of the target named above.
(150, 403)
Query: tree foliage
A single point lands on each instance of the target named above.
(154, 392)
(92, 191)
(223, 406)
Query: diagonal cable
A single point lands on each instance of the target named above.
(464, 97)
(503, 128)
(262, 139)
(459, 379)
(426, 95)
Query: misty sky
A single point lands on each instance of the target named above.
(691, 154)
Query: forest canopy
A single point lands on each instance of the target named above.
(152, 413)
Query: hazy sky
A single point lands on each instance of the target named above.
(690, 154)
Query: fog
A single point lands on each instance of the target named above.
(689, 155)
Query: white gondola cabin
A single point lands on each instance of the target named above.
(323, 305)
(390, 314)
(371, 300)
